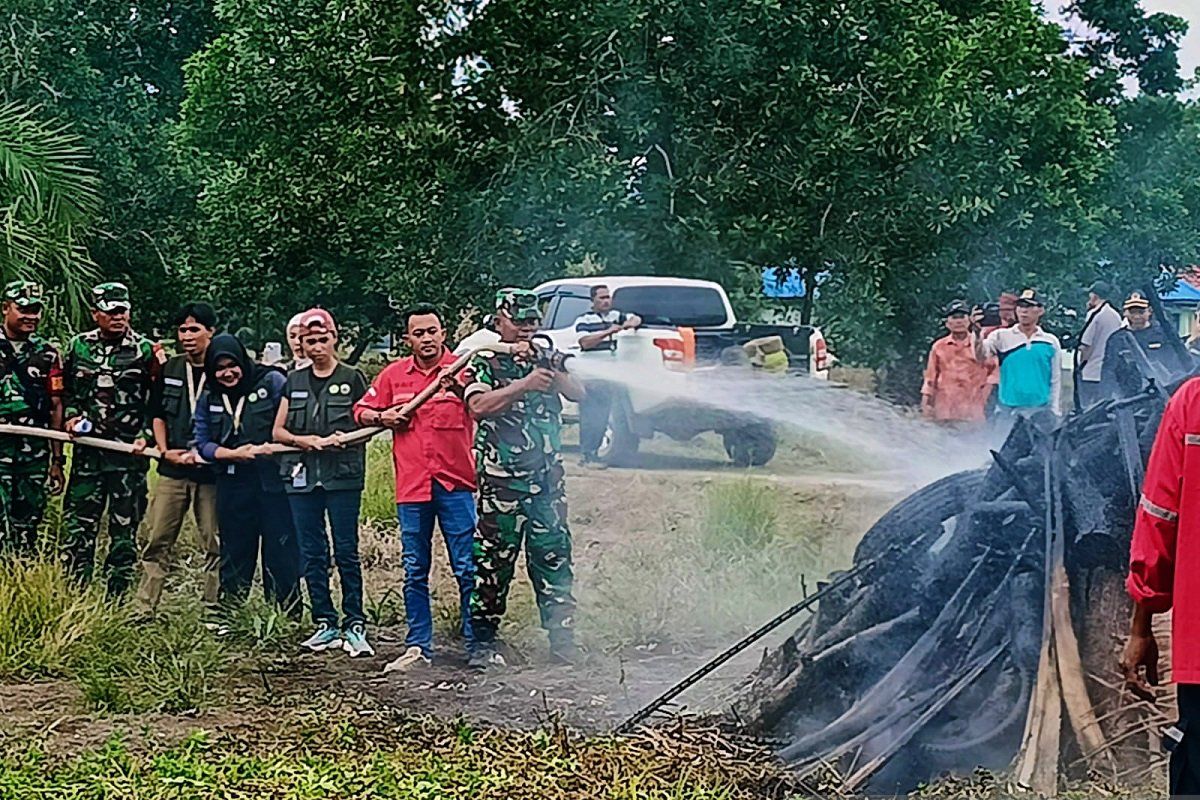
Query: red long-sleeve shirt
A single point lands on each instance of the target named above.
(437, 445)
(1164, 561)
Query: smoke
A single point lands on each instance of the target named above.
(883, 436)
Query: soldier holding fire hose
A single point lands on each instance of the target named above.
(514, 398)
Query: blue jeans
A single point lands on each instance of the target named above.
(455, 514)
(309, 510)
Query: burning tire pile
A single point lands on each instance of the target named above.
(980, 624)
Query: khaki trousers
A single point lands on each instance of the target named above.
(168, 506)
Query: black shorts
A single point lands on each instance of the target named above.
(1185, 756)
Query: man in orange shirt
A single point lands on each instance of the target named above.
(956, 385)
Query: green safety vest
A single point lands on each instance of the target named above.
(179, 409)
(257, 427)
(331, 412)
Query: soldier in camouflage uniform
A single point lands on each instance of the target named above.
(108, 372)
(30, 395)
(521, 493)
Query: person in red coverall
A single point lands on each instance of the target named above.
(1164, 574)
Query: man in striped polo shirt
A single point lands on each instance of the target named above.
(1030, 363)
(597, 329)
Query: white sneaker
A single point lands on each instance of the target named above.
(326, 637)
(354, 641)
(412, 658)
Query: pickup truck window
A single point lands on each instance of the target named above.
(690, 306)
(570, 308)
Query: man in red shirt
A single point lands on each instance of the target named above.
(956, 385)
(1164, 574)
(435, 474)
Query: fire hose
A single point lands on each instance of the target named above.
(544, 357)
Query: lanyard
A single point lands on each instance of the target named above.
(236, 414)
(194, 388)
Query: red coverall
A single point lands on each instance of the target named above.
(1166, 533)
(1166, 546)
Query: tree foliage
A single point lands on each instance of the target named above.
(365, 155)
(113, 70)
(906, 152)
(49, 201)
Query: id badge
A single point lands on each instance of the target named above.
(299, 477)
(105, 381)
(231, 469)
(1172, 737)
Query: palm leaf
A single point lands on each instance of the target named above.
(49, 202)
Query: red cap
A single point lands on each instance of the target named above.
(318, 320)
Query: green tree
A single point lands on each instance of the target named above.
(906, 151)
(1122, 41)
(49, 200)
(113, 70)
(320, 136)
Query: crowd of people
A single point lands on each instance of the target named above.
(997, 362)
(258, 454)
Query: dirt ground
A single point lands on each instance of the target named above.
(609, 511)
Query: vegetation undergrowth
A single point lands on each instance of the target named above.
(736, 566)
(52, 627)
(368, 753)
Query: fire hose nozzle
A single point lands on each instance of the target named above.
(544, 353)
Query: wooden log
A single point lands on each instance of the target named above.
(1036, 764)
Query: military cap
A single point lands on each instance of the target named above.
(110, 296)
(24, 293)
(518, 304)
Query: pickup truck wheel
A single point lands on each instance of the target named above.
(751, 445)
(620, 444)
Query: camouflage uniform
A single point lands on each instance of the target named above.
(30, 378)
(110, 384)
(521, 497)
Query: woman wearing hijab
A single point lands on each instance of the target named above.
(234, 417)
(295, 330)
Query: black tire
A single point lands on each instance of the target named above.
(918, 512)
(750, 445)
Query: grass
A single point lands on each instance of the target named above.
(46, 622)
(379, 494)
(378, 754)
(700, 579)
(737, 566)
(172, 663)
(51, 627)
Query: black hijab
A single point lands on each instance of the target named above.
(226, 345)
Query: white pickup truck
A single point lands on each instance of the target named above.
(659, 359)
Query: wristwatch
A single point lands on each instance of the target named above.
(58, 461)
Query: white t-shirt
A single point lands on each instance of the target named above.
(1103, 322)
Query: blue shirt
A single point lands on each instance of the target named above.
(1030, 367)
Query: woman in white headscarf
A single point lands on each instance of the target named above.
(294, 332)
